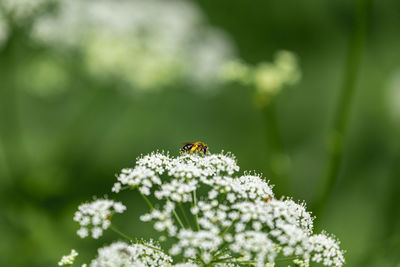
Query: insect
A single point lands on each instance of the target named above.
(194, 147)
(125, 251)
(268, 199)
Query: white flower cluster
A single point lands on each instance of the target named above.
(149, 169)
(210, 217)
(147, 44)
(96, 216)
(253, 229)
(142, 254)
(325, 249)
(237, 215)
(243, 187)
(131, 255)
(68, 259)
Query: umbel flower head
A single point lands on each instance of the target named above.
(122, 254)
(96, 216)
(210, 215)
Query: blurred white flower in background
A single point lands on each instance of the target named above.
(3, 29)
(149, 44)
(268, 78)
(393, 95)
(22, 10)
(19, 12)
(146, 45)
(43, 75)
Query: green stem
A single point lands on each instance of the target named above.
(390, 228)
(220, 248)
(242, 262)
(286, 259)
(184, 215)
(133, 240)
(223, 259)
(218, 253)
(178, 219)
(229, 228)
(147, 201)
(278, 160)
(11, 136)
(151, 247)
(341, 117)
(152, 208)
(194, 204)
(123, 235)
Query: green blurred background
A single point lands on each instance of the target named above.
(65, 132)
